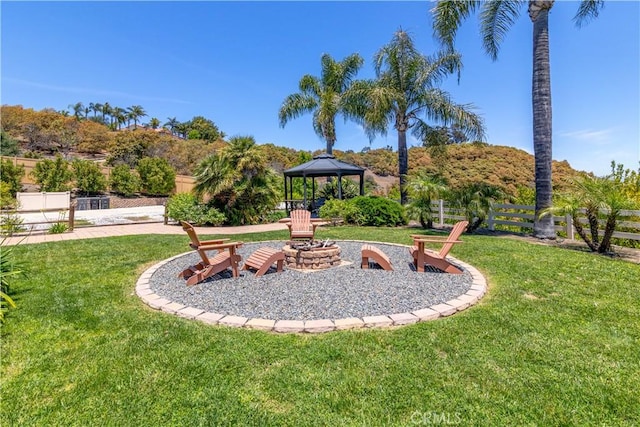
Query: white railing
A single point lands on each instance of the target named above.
(522, 216)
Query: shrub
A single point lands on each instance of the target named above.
(7, 201)
(376, 211)
(273, 216)
(89, 177)
(11, 223)
(350, 189)
(187, 207)
(52, 175)
(11, 175)
(157, 177)
(8, 269)
(335, 208)
(124, 181)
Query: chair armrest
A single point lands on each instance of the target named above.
(212, 242)
(437, 241)
(220, 246)
(422, 236)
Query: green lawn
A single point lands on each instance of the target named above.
(556, 341)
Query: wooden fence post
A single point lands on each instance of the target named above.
(569, 227)
(490, 223)
(441, 212)
(72, 214)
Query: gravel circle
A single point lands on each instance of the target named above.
(335, 293)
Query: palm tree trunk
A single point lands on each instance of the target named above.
(403, 164)
(605, 245)
(543, 228)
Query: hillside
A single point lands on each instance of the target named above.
(45, 133)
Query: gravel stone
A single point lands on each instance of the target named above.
(340, 292)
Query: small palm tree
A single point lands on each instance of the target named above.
(324, 96)
(238, 181)
(78, 109)
(171, 123)
(475, 201)
(602, 199)
(424, 189)
(406, 89)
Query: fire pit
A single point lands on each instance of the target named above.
(311, 255)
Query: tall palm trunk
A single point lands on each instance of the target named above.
(403, 164)
(541, 94)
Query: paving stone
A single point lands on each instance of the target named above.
(172, 307)
(158, 303)
(468, 298)
(234, 321)
(474, 293)
(143, 286)
(190, 312)
(149, 297)
(287, 326)
(210, 318)
(403, 318)
(458, 304)
(426, 314)
(348, 323)
(444, 309)
(319, 326)
(377, 321)
(263, 324)
(143, 292)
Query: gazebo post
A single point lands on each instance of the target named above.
(313, 193)
(339, 186)
(362, 184)
(304, 185)
(286, 205)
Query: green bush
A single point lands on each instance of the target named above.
(7, 201)
(11, 175)
(124, 181)
(157, 177)
(335, 208)
(187, 207)
(10, 223)
(350, 189)
(52, 175)
(8, 269)
(89, 177)
(376, 211)
(273, 216)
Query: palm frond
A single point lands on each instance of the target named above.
(588, 10)
(294, 106)
(496, 18)
(448, 16)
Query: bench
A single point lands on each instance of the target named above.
(263, 258)
(377, 256)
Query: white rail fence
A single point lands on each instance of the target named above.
(507, 215)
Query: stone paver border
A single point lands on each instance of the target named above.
(448, 308)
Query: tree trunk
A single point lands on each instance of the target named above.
(605, 245)
(543, 227)
(578, 226)
(403, 164)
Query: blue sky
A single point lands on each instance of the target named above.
(235, 62)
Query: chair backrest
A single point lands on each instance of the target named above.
(455, 233)
(195, 241)
(300, 220)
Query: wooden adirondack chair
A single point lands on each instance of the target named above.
(422, 256)
(301, 227)
(225, 258)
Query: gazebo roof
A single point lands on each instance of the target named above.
(324, 165)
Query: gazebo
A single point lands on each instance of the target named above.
(323, 165)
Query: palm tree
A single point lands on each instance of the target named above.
(601, 199)
(496, 18)
(135, 112)
(172, 123)
(323, 96)
(238, 181)
(96, 107)
(77, 108)
(154, 123)
(424, 189)
(106, 110)
(404, 90)
(475, 201)
(120, 116)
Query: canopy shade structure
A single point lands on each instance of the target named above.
(323, 165)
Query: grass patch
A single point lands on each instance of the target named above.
(555, 341)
